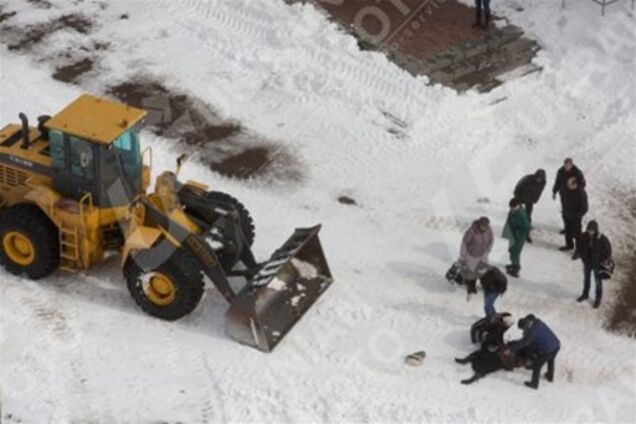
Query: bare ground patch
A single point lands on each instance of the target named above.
(70, 73)
(623, 318)
(25, 38)
(436, 39)
(226, 147)
(4, 15)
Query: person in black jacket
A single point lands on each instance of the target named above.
(567, 171)
(574, 203)
(594, 249)
(494, 283)
(528, 190)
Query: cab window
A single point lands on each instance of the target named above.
(82, 163)
(56, 142)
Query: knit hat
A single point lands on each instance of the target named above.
(540, 174)
(592, 225)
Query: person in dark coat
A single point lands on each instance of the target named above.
(567, 171)
(594, 249)
(516, 231)
(540, 339)
(494, 283)
(528, 190)
(482, 8)
(574, 202)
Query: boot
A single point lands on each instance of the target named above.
(513, 270)
(462, 361)
(597, 304)
(582, 297)
(565, 248)
(549, 377)
(531, 385)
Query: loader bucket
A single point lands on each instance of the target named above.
(280, 293)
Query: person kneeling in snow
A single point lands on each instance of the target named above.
(540, 339)
(516, 231)
(475, 249)
(494, 283)
(493, 355)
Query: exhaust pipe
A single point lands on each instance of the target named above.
(25, 131)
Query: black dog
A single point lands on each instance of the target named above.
(485, 361)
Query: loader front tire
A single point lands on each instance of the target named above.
(29, 242)
(169, 292)
(247, 223)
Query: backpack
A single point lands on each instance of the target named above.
(606, 269)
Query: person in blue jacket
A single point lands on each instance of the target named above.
(539, 339)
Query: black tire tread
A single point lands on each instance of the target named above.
(45, 237)
(247, 222)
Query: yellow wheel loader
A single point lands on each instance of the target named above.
(74, 190)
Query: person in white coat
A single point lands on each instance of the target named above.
(476, 246)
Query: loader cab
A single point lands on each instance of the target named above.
(94, 147)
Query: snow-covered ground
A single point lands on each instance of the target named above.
(74, 348)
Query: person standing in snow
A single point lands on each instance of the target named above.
(482, 8)
(516, 231)
(494, 283)
(574, 203)
(540, 339)
(528, 190)
(594, 249)
(567, 171)
(475, 249)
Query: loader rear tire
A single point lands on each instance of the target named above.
(169, 292)
(247, 223)
(29, 242)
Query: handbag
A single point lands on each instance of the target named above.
(606, 269)
(453, 275)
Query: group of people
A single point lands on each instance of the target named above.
(591, 246)
(538, 346)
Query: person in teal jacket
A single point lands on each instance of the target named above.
(516, 231)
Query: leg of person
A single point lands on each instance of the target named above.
(550, 374)
(569, 234)
(529, 207)
(471, 286)
(487, 13)
(477, 14)
(577, 227)
(599, 288)
(465, 360)
(562, 218)
(587, 274)
(516, 256)
(472, 379)
(537, 364)
(489, 303)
